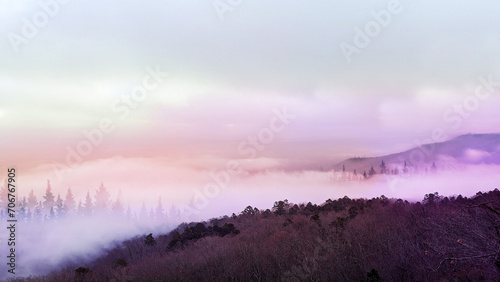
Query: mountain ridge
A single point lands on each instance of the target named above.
(463, 149)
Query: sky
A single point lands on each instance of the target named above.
(313, 82)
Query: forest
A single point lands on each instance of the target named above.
(378, 239)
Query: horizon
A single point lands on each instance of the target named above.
(322, 175)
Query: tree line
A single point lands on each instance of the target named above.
(346, 175)
(438, 238)
(51, 207)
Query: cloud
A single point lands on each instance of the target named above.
(42, 248)
(475, 156)
(55, 244)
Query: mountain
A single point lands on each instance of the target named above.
(464, 149)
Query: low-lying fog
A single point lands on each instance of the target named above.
(42, 247)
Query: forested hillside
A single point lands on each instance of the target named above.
(377, 239)
(448, 155)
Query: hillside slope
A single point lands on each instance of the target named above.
(379, 239)
(465, 149)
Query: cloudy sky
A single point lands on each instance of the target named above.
(360, 78)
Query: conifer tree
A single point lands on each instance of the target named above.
(372, 172)
(88, 207)
(61, 209)
(405, 169)
(117, 206)
(101, 198)
(37, 214)
(29, 215)
(433, 167)
(383, 168)
(69, 202)
(32, 200)
(80, 209)
(52, 214)
(49, 198)
(23, 209)
(150, 240)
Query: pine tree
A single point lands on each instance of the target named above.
(29, 215)
(61, 209)
(88, 207)
(32, 201)
(51, 215)
(69, 202)
(150, 240)
(433, 167)
(101, 198)
(80, 209)
(23, 209)
(405, 169)
(117, 206)
(49, 198)
(372, 172)
(37, 214)
(383, 168)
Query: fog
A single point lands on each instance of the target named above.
(75, 241)
(54, 244)
(262, 189)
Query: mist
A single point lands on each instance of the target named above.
(76, 240)
(42, 247)
(262, 189)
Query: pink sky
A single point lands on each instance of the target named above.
(225, 81)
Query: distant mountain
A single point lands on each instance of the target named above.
(465, 149)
